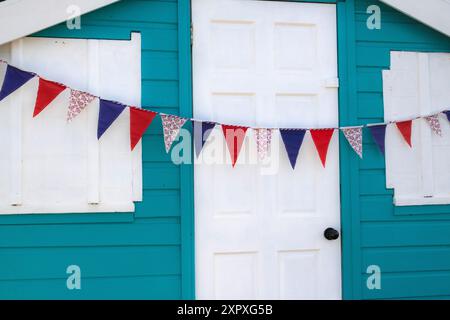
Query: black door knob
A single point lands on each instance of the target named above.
(331, 234)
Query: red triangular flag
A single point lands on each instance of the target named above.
(234, 136)
(405, 128)
(47, 92)
(322, 138)
(139, 121)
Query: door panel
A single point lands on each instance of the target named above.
(260, 236)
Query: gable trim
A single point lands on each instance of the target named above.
(434, 13)
(19, 18)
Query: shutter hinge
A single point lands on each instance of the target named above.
(192, 34)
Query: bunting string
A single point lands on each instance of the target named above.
(140, 120)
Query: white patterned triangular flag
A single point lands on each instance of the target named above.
(263, 141)
(354, 138)
(171, 127)
(434, 123)
(77, 102)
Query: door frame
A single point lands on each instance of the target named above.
(349, 164)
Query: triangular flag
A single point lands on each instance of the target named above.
(78, 100)
(47, 92)
(434, 123)
(234, 136)
(447, 113)
(171, 127)
(14, 79)
(108, 113)
(140, 120)
(293, 139)
(379, 136)
(354, 137)
(405, 128)
(263, 141)
(202, 130)
(322, 138)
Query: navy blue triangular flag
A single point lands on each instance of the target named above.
(108, 113)
(293, 139)
(14, 79)
(379, 135)
(447, 114)
(202, 130)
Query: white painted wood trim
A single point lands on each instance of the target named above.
(412, 201)
(434, 13)
(426, 144)
(137, 152)
(16, 132)
(93, 143)
(62, 208)
(388, 115)
(19, 18)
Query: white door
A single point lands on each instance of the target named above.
(261, 235)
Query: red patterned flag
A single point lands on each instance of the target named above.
(140, 120)
(47, 92)
(322, 138)
(234, 136)
(405, 128)
(171, 127)
(78, 101)
(434, 123)
(263, 141)
(354, 137)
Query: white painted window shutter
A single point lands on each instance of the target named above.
(51, 166)
(417, 84)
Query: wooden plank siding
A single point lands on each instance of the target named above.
(121, 255)
(410, 244)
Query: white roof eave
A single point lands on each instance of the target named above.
(433, 13)
(20, 18)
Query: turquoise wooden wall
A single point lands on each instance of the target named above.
(410, 244)
(147, 254)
